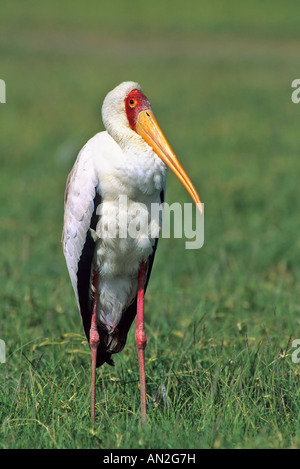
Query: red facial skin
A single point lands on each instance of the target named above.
(135, 102)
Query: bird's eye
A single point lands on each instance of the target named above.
(132, 102)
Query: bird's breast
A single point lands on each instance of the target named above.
(131, 184)
(125, 234)
(137, 172)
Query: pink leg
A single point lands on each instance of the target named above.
(140, 337)
(94, 342)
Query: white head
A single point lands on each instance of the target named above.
(128, 118)
(114, 115)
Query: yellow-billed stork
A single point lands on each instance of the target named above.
(110, 274)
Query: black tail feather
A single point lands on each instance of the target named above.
(115, 342)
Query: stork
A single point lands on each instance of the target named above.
(110, 274)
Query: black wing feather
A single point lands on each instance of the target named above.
(84, 272)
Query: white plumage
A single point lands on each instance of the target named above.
(112, 163)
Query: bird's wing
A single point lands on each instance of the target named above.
(81, 202)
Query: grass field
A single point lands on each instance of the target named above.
(220, 321)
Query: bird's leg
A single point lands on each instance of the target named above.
(140, 337)
(94, 342)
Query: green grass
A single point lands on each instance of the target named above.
(219, 321)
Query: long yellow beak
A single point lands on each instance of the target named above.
(148, 128)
